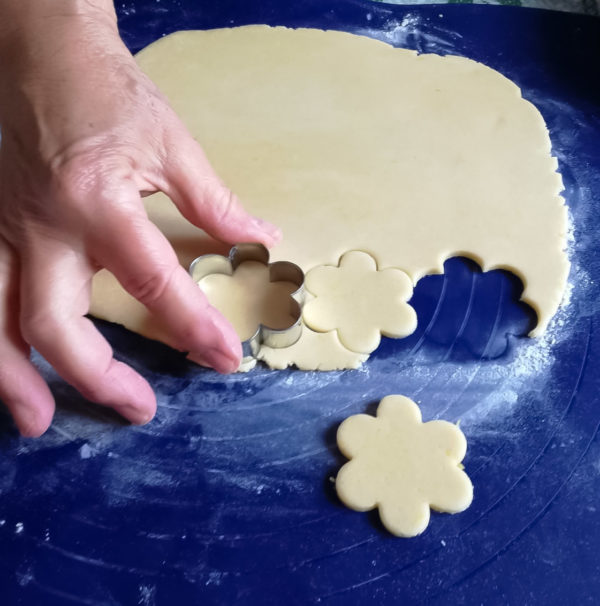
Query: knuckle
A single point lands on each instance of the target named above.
(149, 288)
(87, 174)
(39, 327)
(77, 178)
(225, 205)
(8, 371)
(92, 383)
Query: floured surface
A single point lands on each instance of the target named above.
(418, 159)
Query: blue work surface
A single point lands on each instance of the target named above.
(226, 497)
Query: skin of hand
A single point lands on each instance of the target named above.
(84, 134)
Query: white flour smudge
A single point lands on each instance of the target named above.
(147, 595)
(85, 452)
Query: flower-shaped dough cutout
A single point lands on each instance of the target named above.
(402, 466)
(249, 298)
(360, 302)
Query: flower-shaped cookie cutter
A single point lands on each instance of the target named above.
(279, 271)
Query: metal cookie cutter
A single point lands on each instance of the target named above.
(280, 271)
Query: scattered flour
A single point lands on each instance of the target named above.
(25, 577)
(215, 578)
(147, 594)
(396, 31)
(86, 451)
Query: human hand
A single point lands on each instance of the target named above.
(84, 134)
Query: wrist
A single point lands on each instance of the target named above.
(32, 30)
(48, 44)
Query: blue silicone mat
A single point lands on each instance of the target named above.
(226, 497)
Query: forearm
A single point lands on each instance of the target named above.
(31, 30)
(21, 14)
(51, 51)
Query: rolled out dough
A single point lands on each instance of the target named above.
(314, 351)
(350, 144)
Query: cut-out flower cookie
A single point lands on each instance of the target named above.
(359, 302)
(402, 466)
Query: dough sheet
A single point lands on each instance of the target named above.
(349, 144)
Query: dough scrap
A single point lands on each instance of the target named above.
(314, 351)
(350, 144)
(402, 466)
(359, 302)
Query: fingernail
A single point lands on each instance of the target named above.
(136, 415)
(141, 418)
(198, 358)
(273, 232)
(30, 430)
(223, 363)
(31, 423)
(215, 358)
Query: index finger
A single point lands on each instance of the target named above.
(130, 246)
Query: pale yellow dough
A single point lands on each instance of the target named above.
(359, 302)
(402, 466)
(248, 298)
(314, 351)
(349, 144)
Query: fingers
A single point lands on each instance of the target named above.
(204, 201)
(55, 284)
(22, 389)
(141, 258)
